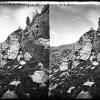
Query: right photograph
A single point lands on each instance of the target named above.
(74, 51)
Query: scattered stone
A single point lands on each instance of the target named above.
(20, 67)
(19, 57)
(84, 95)
(95, 63)
(70, 89)
(93, 67)
(22, 62)
(15, 83)
(88, 83)
(27, 56)
(9, 95)
(75, 63)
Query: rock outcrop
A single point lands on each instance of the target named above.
(20, 58)
(74, 68)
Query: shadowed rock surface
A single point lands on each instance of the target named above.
(24, 60)
(75, 69)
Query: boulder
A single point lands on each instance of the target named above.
(95, 63)
(63, 66)
(84, 95)
(44, 42)
(39, 77)
(27, 56)
(9, 95)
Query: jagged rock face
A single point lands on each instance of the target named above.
(84, 47)
(37, 37)
(20, 55)
(14, 46)
(83, 64)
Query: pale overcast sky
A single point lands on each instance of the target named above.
(68, 23)
(13, 16)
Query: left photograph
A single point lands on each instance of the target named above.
(24, 51)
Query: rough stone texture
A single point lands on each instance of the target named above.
(98, 56)
(9, 95)
(83, 65)
(39, 77)
(20, 55)
(84, 95)
(64, 66)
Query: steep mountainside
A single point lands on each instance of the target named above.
(76, 73)
(24, 60)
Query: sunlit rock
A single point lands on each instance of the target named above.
(88, 83)
(95, 63)
(40, 64)
(22, 62)
(20, 67)
(27, 56)
(2, 63)
(39, 77)
(9, 95)
(70, 89)
(63, 66)
(4, 45)
(15, 83)
(84, 95)
(13, 51)
(92, 57)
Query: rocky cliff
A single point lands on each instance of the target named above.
(76, 72)
(24, 59)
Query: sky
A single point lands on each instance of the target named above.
(68, 23)
(14, 16)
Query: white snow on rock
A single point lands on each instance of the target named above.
(15, 83)
(95, 63)
(39, 77)
(22, 62)
(88, 83)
